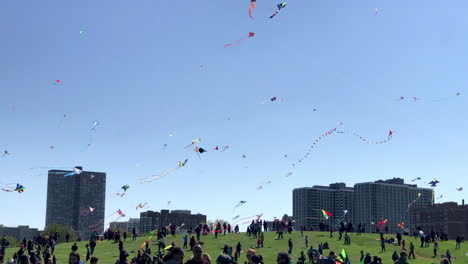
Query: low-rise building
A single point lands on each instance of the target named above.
(19, 232)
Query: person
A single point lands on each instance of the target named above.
(92, 245)
(444, 261)
(123, 257)
(197, 257)
(256, 259)
(250, 253)
(238, 251)
(290, 246)
(223, 259)
(174, 256)
(283, 258)
(88, 254)
(448, 256)
(411, 253)
(161, 243)
(67, 237)
(74, 257)
(134, 234)
(458, 240)
(185, 238)
(436, 247)
(302, 258)
(94, 260)
(307, 241)
(192, 242)
(125, 236)
(394, 256)
(382, 245)
(403, 258)
(262, 238)
(74, 247)
(207, 258)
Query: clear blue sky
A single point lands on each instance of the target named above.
(136, 71)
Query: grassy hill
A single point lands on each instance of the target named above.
(369, 243)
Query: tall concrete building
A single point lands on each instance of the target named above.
(450, 218)
(69, 200)
(151, 220)
(389, 199)
(309, 201)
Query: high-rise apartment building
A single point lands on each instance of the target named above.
(391, 200)
(450, 218)
(69, 200)
(20, 232)
(151, 220)
(309, 201)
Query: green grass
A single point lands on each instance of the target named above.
(108, 251)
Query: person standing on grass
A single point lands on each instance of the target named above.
(382, 245)
(458, 245)
(134, 234)
(306, 241)
(185, 238)
(436, 247)
(92, 245)
(238, 251)
(67, 237)
(411, 253)
(290, 246)
(88, 254)
(394, 256)
(125, 236)
(262, 237)
(192, 242)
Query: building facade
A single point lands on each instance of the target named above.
(391, 200)
(119, 226)
(309, 201)
(19, 233)
(449, 218)
(151, 220)
(69, 200)
(126, 226)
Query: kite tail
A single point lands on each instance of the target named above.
(252, 6)
(272, 16)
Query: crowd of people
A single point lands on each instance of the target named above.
(40, 250)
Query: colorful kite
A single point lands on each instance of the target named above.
(124, 188)
(382, 224)
(75, 171)
(460, 189)
(199, 151)
(252, 6)
(87, 211)
(57, 82)
(409, 205)
(326, 214)
(313, 145)
(251, 34)
(225, 148)
(12, 188)
(434, 183)
(152, 233)
(280, 6)
(101, 223)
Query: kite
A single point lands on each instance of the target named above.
(76, 171)
(313, 145)
(87, 211)
(92, 132)
(235, 217)
(199, 151)
(82, 32)
(124, 188)
(57, 82)
(12, 188)
(225, 148)
(341, 219)
(252, 6)
(244, 156)
(61, 120)
(434, 183)
(382, 224)
(418, 178)
(460, 189)
(289, 174)
(164, 146)
(376, 11)
(389, 137)
(168, 203)
(409, 205)
(280, 6)
(273, 99)
(101, 223)
(440, 197)
(239, 204)
(152, 233)
(141, 206)
(326, 214)
(52, 147)
(251, 34)
(5, 152)
(195, 141)
(165, 173)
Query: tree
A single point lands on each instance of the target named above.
(62, 230)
